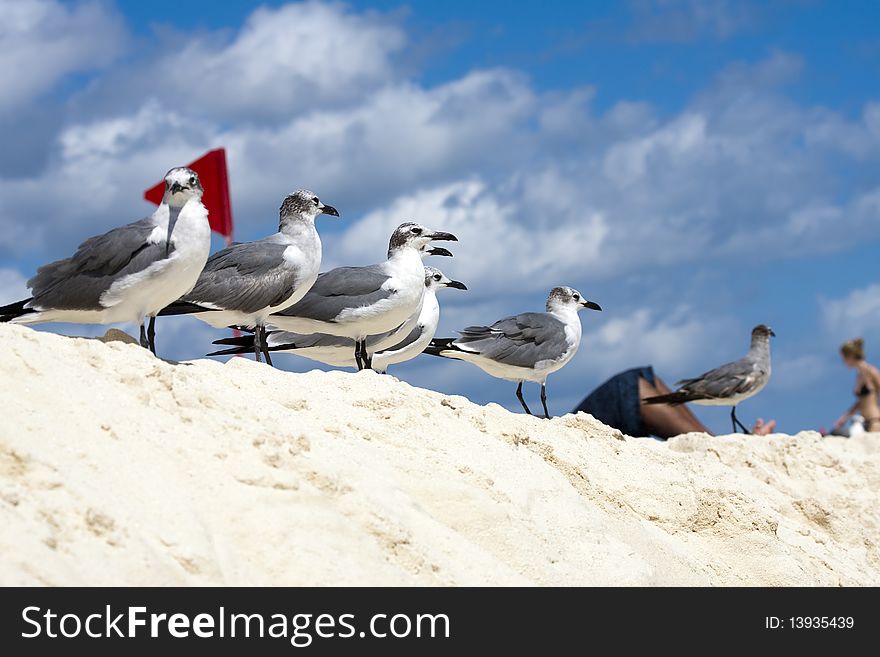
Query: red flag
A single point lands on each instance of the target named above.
(211, 168)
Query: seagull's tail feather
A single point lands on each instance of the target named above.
(674, 398)
(438, 345)
(238, 341)
(235, 351)
(183, 308)
(241, 344)
(13, 310)
(244, 344)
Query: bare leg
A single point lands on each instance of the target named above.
(520, 397)
(544, 400)
(144, 342)
(151, 334)
(664, 420)
(265, 341)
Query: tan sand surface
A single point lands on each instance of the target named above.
(117, 468)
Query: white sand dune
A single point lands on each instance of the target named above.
(118, 468)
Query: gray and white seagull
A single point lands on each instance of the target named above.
(397, 346)
(128, 273)
(729, 384)
(245, 283)
(357, 302)
(525, 347)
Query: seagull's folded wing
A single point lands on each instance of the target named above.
(341, 289)
(246, 278)
(78, 282)
(519, 341)
(723, 382)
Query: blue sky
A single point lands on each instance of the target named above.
(695, 167)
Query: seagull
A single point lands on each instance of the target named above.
(128, 273)
(525, 347)
(729, 384)
(245, 283)
(357, 302)
(387, 349)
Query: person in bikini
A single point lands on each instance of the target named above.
(867, 386)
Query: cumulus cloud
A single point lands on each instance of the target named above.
(281, 61)
(857, 313)
(42, 41)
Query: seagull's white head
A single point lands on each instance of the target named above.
(181, 185)
(568, 299)
(410, 235)
(303, 204)
(436, 279)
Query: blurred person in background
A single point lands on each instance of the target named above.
(866, 390)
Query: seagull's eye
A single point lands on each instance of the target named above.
(415, 230)
(576, 297)
(315, 200)
(192, 180)
(436, 277)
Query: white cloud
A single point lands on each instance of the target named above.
(675, 342)
(857, 313)
(282, 61)
(41, 41)
(500, 248)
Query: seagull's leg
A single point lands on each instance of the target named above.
(544, 400)
(265, 342)
(520, 397)
(151, 334)
(258, 345)
(737, 422)
(364, 358)
(144, 342)
(368, 359)
(357, 355)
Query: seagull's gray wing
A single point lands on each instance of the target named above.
(77, 283)
(519, 341)
(415, 334)
(730, 380)
(341, 289)
(246, 277)
(308, 340)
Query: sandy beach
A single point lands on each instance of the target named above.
(117, 468)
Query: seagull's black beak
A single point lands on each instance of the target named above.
(176, 187)
(444, 237)
(329, 209)
(592, 305)
(458, 285)
(439, 251)
(772, 334)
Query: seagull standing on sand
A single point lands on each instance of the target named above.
(729, 384)
(245, 283)
(387, 349)
(128, 273)
(357, 302)
(525, 347)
